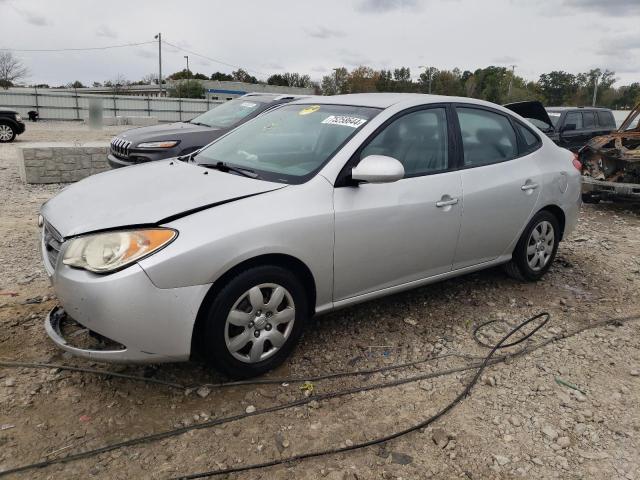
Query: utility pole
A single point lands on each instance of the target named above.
(159, 38)
(595, 91)
(188, 71)
(513, 69)
(428, 70)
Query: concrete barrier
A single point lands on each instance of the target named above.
(61, 162)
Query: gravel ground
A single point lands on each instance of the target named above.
(519, 421)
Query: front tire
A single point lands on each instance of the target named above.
(536, 248)
(7, 133)
(255, 321)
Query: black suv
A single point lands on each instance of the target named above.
(10, 125)
(146, 144)
(575, 126)
(568, 127)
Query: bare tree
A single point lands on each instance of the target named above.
(11, 69)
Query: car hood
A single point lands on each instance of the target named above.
(531, 109)
(171, 131)
(148, 194)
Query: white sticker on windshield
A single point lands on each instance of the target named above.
(554, 114)
(248, 104)
(353, 122)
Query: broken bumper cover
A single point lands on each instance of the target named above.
(147, 323)
(603, 189)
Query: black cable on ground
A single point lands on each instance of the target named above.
(394, 435)
(212, 423)
(264, 381)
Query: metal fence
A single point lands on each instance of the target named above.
(52, 105)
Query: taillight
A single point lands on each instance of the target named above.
(576, 162)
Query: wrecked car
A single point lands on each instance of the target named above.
(611, 163)
(314, 205)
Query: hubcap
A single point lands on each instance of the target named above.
(5, 132)
(259, 322)
(540, 246)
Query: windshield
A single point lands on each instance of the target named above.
(228, 113)
(554, 117)
(288, 144)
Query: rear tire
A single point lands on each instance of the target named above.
(255, 321)
(7, 133)
(536, 249)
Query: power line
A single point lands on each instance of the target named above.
(210, 58)
(74, 49)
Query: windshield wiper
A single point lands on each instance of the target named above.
(225, 167)
(200, 124)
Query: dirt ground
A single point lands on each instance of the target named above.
(519, 422)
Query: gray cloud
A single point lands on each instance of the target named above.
(33, 18)
(505, 59)
(619, 46)
(324, 33)
(607, 7)
(106, 31)
(146, 53)
(382, 6)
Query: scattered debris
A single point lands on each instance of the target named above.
(440, 437)
(564, 383)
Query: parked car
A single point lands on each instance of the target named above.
(157, 142)
(315, 205)
(568, 127)
(611, 163)
(11, 125)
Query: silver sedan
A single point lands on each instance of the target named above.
(321, 203)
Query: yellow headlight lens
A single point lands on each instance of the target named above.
(106, 252)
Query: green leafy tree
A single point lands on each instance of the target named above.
(187, 75)
(362, 79)
(336, 83)
(557, 87)
(222, 77)
(187, 89)
(241, 75)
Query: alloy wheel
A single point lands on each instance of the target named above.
(259, 322)
(540, 245)
(6, 133)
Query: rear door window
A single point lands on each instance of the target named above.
(605, 119)
(487, 137)
(589, 120)
(530, 140)
(574, 118)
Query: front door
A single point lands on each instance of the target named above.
(394, 233)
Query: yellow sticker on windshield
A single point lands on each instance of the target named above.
(308, 110)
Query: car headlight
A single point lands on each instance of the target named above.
(110, 251)
(163, 144)
(18, 118)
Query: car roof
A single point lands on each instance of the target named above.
(6, 109)
(270, 97)
(564, 109)
(386, 100)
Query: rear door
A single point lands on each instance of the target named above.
(573, 139)
(500, 183)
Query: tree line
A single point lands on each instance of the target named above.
(493, 83)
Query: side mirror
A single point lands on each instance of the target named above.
(378, 169)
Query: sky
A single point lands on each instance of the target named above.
(266, 37)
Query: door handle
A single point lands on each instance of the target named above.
(529, 186)
(446, 203)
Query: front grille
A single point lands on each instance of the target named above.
(52, 243)
(120, 147)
